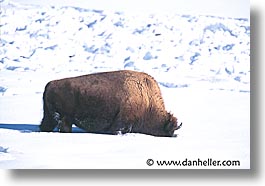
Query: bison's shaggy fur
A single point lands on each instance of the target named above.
(109, 102)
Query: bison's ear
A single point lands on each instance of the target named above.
(171, 123)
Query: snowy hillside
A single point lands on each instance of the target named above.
(202, 64)
(169, 47)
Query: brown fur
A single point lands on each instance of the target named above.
(107, 102)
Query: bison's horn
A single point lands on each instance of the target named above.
(179, 126)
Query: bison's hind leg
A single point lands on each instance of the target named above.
(121, 131)
(66, 125)
(120, 126)
(48, 123)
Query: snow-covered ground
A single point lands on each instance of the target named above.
(202, 64)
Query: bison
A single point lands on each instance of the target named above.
(109, 103)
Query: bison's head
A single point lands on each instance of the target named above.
(171, 125)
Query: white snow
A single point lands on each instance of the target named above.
(202, 64)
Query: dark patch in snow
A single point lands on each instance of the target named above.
(1, 25)
(243, 73)
(106, 48)
(119, 13)
(219, 27)
(247, 29)
(90, 25)
(16, 60)
(2, 89)
(138, 31)
(101, 34)
(164, 67)
(189, 18)
(21, 28)
(12, 68)
(127, 58)
(241, 19)
(194, 42)
(90, 49)
(237, 78)
(118, 24)
(228, 47)
(172, 85)
(3, 150)
(80, 9)
(98, 11)
(51, 47)
(185, 16)
(28, 57)
(245, 91)
(217, 47)
(40, 20)
(148, 56)
(228, 71)
(180, 58)
(194, 58)
(129, 64)
(130, 49)
(3, 42)
(103, 17)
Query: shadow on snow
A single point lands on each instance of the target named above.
(27, 128)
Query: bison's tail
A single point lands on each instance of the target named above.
(48, 123)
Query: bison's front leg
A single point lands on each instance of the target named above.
(120, 126)
(66, 125)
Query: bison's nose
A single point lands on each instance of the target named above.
(178, 127)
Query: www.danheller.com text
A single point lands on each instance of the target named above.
(194, 163)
